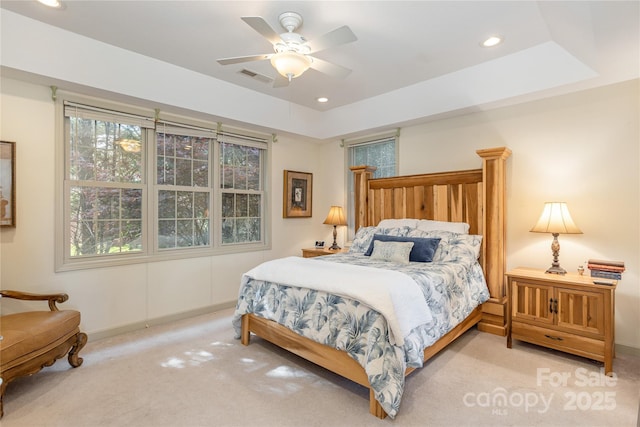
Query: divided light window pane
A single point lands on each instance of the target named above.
(241, 171)
(183, 193)
(105, 175)
(379, 153)
(382, 155)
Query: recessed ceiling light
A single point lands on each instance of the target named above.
(492, 41)
(322, 99)
(51, 3)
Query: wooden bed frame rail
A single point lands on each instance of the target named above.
(337, 361)
(476, 197)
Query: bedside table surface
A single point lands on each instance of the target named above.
(569, 278)
(311, 252)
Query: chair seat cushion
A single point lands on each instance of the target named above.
(33, 331)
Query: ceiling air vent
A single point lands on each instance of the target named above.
(260, 77)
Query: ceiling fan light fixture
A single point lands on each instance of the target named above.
(290, 64)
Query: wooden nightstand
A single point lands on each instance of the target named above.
(568, 312)
(313, 252)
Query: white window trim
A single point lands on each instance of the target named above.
(149, 208)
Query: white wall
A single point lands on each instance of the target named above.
(132, 295)
(290, 235)
(582, 149)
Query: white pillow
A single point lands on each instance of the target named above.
(454, 227)
(463, 247)
(392, 251)
(362, 240)
(397, 223)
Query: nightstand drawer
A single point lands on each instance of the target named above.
(568, 342)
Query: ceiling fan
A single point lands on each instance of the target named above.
(292, 52)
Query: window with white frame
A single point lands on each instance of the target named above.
(139, 188)
(105, 185)
(183, 189)
(241, 188)
(379, 151)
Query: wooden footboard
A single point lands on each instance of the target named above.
(338, 361)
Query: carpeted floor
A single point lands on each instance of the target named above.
(193, 373)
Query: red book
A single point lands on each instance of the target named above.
(605, 267)
(609, 263)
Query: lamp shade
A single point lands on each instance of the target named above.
(336, 216)
(556, 218)
(290, 64)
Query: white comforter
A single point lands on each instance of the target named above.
(393, 294)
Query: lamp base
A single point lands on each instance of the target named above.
(555, 265)
(556, 270)
(335, 246)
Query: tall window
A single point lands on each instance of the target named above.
(138, 188)
(379, 151)
(105, 182)
(183, 186)
(241, 163)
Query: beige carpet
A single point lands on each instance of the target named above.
(193, 373)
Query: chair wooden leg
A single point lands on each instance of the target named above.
(3, 386)
(74, 359)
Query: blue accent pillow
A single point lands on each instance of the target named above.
(423, 247)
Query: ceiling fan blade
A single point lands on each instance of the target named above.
(261, 26)
(239, 59)
(280, 81)
(333, 38)
(329, 68)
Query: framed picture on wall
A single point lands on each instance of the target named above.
(297, 194)
(7, 184)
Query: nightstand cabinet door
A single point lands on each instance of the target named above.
(532, 302)
(581, 311)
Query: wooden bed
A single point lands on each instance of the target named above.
(472, 196)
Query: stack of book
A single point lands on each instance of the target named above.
(606, 269)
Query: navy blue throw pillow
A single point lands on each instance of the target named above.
(423, 247)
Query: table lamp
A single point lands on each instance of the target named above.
(335, 218)
(555, 219)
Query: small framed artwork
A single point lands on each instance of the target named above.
(7, 184)
(297, 194)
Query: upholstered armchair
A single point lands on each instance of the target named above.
(31, 340)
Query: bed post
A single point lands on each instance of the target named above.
(494, 232)
(361, 177)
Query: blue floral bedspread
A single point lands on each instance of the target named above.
(452, 291)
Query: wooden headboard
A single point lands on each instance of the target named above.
(476, 197)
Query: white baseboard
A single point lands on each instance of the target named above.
(94, 336)
(107, 333)
(625, 349)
